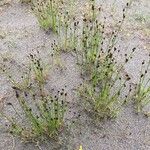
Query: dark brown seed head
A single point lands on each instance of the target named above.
(84, 19)
(128, 78)
(93, 7)
(25, 93)
(126, 60)
(133, 49)
(30, 109)
(142, 75)
(17, 94)
(124, 16)
(9, 103)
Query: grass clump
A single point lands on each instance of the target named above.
(47, 119)
(142, 89)
(103, 91)
(47, 13)
(41, 114)
(104, 81)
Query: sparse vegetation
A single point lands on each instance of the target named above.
(142, 89)
(43, 111)
(104, 86)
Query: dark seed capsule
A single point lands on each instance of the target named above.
(11, 132)
(143, 62)
(62, 102)
(128, 78)
(31, 56)
(9, 103)
(15, 88)
(115, 48)
(124, 16)
(41, 69)
(133, 49)
(17, 94)
(110, 56)
(25, 94)
(142, 75)
(33, 96)
(30, 109)
(126, 60)
(61, 93)
(84, 20)
(56, 118)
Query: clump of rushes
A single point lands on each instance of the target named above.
(103, 92)
(68, 32)
(93, 38)
(47, 13)
(56, 15)
(142, 90)
(104, 84)
(46, 119)
(37, 67)
(43, 112)
(63, 37)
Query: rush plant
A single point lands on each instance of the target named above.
(104, 83)
(142, 90)
(48, 13)
(103, 92)
(42, 112)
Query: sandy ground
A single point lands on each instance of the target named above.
(20, 34)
